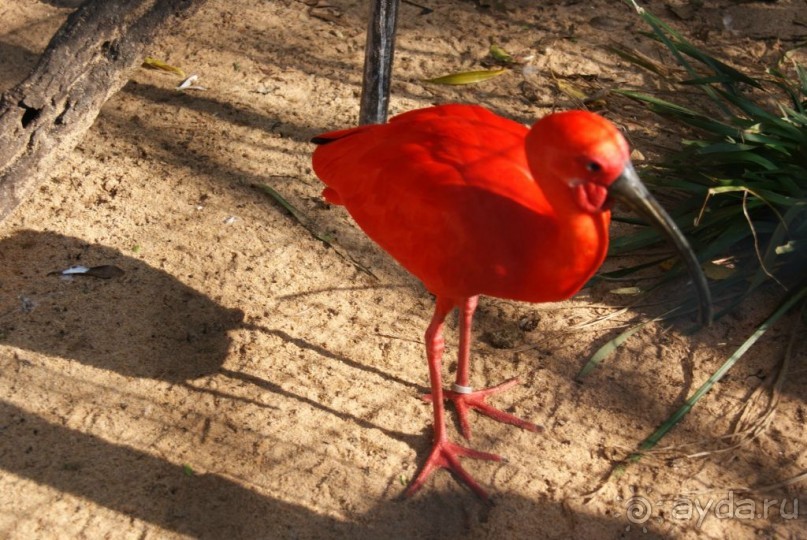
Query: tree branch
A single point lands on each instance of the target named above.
(88, 60)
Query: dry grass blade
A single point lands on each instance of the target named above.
(676, 417)
(751, 489)
(750, 425)
(639, 59)
(754, 417)
(776, 485)
(756, 241)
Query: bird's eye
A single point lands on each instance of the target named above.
(593, 166)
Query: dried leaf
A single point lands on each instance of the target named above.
(571, 90)
(467, 77)
(72, 270)
(326, 12)
(500, 54)
(718, 272)
(105, 271)
(187, 84)
(153, 63)
(627, 291)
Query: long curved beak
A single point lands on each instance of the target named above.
(630, 190)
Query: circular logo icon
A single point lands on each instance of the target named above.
(638, 509)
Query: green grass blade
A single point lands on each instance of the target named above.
(295, 213)
(662, 32)
(640, 239)
(683, 114)
(721, 69)
(309, 226)
(622, 272)
(608, 349)
(664, 104)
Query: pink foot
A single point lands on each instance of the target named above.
(463, 401)
(445, 455)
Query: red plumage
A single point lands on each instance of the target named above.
(472, 203)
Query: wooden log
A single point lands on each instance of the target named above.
(90, 58)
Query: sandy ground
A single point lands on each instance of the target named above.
(242, 379)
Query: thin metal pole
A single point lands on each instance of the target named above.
(378, 55)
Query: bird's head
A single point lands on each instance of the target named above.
(584, 156)
(581, 153)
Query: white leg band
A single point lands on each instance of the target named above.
(459, 389)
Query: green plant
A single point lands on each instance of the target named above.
(738, 187)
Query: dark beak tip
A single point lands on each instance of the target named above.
(629, 189)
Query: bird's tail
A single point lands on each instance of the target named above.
(331, 136)
(325, 158)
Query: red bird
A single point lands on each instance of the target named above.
(475, 204)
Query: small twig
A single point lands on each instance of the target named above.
(756, 239)
(424, 10)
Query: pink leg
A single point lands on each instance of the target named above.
(462, 395)
(444, 454)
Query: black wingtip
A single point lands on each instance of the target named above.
(326, 138)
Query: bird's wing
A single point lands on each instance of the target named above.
(425, 149)
(443, 189)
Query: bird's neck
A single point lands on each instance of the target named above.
(580, 240)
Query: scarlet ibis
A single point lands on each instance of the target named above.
(476, 204)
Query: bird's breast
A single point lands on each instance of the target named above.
(552, 260)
